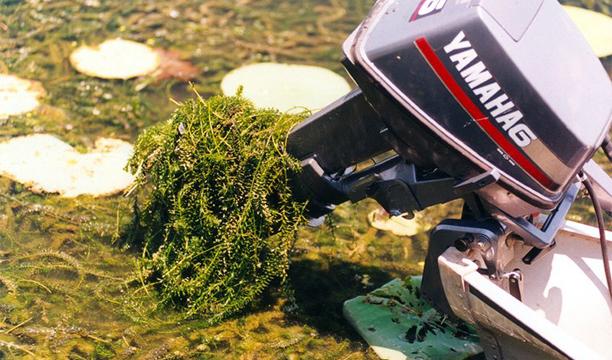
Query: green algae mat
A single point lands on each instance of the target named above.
(399, 325)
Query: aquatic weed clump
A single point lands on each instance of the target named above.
(219, 219)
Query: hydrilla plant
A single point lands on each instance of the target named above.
(218, 220)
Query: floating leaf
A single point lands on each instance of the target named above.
(596, 28)
(286, 87)
(115, 59)
(47, 164)
(18, 96)
(398, 225)
(171, 66)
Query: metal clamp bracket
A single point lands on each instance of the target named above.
(544, 237)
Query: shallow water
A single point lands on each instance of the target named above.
(68, 286)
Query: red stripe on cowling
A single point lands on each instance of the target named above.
(479, 117)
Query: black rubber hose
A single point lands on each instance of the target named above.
(607, 147)
(602, 232)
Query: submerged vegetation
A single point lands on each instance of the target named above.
(219, 220)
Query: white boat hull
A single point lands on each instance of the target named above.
(565, 309)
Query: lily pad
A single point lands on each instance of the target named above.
(398, 225)
(115, 59)
(18, 96)
(171, 66)
(596, 28)
(44, 163)
(286, 87)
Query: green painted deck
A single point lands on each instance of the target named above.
(398, 325)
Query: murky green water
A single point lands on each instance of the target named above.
(68, 287)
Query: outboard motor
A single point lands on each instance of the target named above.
(499, 102)
(504, 92)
